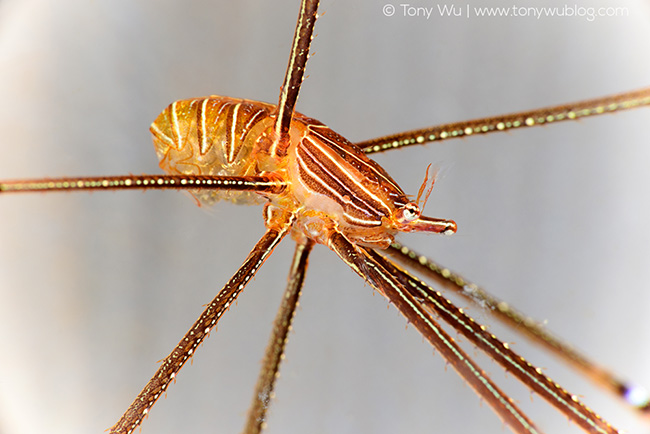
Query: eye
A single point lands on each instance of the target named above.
(410, 212)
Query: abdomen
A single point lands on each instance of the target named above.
(216, 136)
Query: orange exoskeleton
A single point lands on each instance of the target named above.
(329, 181)
(322, 189)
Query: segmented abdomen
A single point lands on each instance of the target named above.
(216, 136)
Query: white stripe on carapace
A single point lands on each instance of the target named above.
(201, 128)
(162, 136)
(251, 122)
(175, 127)
(341, 185)
(362, 222)
(315, 178)
(314, 130)
(303, 166)
(345, 186)
(232, 142)
(335, 162)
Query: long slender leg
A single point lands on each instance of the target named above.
(542, 116)
(535, 330)
(528, 374)
(185, 349)
(261, 184)
(387, 285)
(294, 75)
(278, 340)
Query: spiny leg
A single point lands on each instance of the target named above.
(294, 75)
(434, 302)
(542, 116)
(260, 184)
(371, 271)
(632, 394)
(278, 340)
(185, 349)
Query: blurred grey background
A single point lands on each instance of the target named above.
(95, 288)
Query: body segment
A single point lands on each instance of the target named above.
(331, 183)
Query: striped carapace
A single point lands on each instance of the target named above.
(329, 181)
(321, 188)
